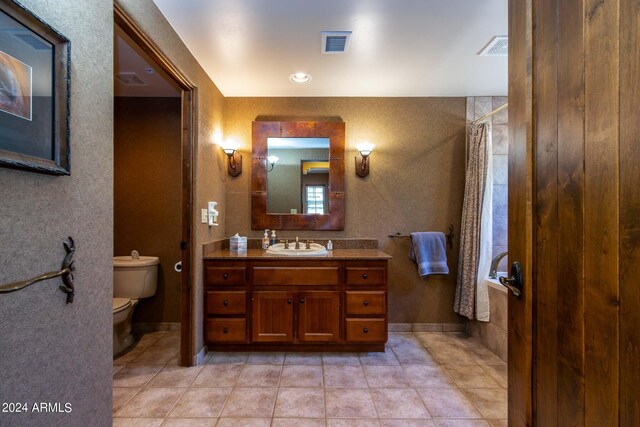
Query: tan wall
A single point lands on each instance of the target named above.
(147, 195)
(210, 167)
(51, 351)
(416, 183)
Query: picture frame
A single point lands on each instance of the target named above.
(35, 65)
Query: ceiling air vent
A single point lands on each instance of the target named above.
(497, 46)
(130, 79)
(335, 41)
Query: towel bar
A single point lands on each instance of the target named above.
(450, 236)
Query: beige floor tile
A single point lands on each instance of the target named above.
(379, 358)
(227, 358)
(244, 422)
(498, 373)
(151, 403)
(399, 339)
(150, 339)
(450, 422)
(190, 422)
(407, 423)
(200, 402)
(175, 376)
(135, 375)
(386, 377)
(484, 356)
(155, 355)
(424, 376)
(491, 402)
(499, 423)
(266, 358)
(451, 356)
(398, 403)
(352, 422)
(122, 395)
(170, 339)
(300, 402)
(448, 403)
(344, 376)
(436, 339)
(297, 422)
(349, 403)
(250, 402)
(260, 376)
(137, 422)
(414, 356)
(222, 375)
(340, 359)
(127, 357)
(303, 359)
(301, 376)
(471, 377)
(116, 368)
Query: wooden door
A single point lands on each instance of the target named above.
(319, 316)
(574, 212)
(272, 319)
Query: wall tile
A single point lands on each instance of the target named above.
(501, 117)
(500, 139)
(483, 105)
(500, 169)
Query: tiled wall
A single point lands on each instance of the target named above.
(493, 333)
(477, 107)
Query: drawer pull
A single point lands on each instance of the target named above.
(301, 300)
(365, 276)
(226, 302)
(365, 302)
(289, 301)
(365, 330)
(225, 276)
(225, 330)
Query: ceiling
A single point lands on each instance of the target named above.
(398, 47)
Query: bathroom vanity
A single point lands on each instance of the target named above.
(258, 301)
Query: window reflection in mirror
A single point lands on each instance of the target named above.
(298, 181)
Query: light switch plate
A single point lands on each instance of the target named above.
(204, 216)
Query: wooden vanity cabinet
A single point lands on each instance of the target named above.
(275, 304)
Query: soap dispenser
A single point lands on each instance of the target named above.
(274, 239)
(265, 239)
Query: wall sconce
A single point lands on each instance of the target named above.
(272, 162)
(362, 163)
(230, 148)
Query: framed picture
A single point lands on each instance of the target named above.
(34, 93)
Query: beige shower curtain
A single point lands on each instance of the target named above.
(476, 239)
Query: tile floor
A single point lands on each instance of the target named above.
(423, 379)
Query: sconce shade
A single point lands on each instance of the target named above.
(272, 162)
(362, 161)
(234, 167)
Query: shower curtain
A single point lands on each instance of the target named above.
(476, 238)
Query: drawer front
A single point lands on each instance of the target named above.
(230, 302)
(224, 275)
(366, 330)
(366, 275)
(300, 276)
(368, 303)
(227, 330)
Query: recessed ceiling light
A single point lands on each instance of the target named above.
(300, 77)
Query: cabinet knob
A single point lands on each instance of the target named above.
(289, 301)
(226, 302)
(365, 330)
(225, 276)
(365, 302)
(301, 300)
(225, 330)
(365, 276)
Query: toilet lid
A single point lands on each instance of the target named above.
(120, 304)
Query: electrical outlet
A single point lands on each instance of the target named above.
(204, 216)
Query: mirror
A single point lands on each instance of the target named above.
(297, 180)
(297, 175)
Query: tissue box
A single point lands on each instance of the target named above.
(238, 244)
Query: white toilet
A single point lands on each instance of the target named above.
(134, 277)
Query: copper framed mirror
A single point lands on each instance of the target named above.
(297, 175)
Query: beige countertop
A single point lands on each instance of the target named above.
(261, 254)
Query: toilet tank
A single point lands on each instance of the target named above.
(135, 278)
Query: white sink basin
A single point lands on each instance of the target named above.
(314, 250)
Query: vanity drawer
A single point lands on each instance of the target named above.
(229, 302)
(366, 275)
(300, 276)
(362, 302)
(224, 275)
(229, 330)
(366, 330)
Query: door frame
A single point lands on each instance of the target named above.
(188, 140)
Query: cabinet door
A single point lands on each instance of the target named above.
(272, 319)
(319, 316)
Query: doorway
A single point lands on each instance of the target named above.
(161, 94)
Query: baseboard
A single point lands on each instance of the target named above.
(199, 358)
(145, 328)
(426, 327)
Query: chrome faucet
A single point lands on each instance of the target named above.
(297, 243)
(308, 244)
(286, 243)
(493, 271)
